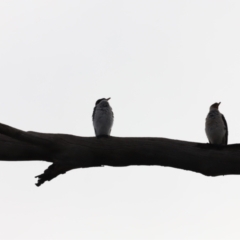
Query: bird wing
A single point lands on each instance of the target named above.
(113, 120)
(226, 128)
(94, 110)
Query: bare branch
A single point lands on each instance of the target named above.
(23, 136)
(68, 152)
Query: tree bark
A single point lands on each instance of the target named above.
(68, 152)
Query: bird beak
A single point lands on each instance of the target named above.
(219, 103)
(108, 99)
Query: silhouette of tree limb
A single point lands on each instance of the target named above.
(68, 152)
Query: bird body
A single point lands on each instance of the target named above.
(216, 126)
(102, 117)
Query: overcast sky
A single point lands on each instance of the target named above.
(163, 63)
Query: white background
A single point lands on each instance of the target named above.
(163, 63)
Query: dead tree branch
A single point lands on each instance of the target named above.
(68, 152)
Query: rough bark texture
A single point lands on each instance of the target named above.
(68, 152)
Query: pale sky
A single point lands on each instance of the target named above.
(163, 63)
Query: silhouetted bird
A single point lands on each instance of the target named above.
(216, 126)
(102, 117)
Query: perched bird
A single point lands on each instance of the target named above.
(102, 117)
(216, 126)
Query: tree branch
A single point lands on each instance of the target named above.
(23, 136)
(68, 152)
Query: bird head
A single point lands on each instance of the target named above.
(215, 106)
(102, 101)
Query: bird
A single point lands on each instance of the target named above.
(216, 126)
(102, 117)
